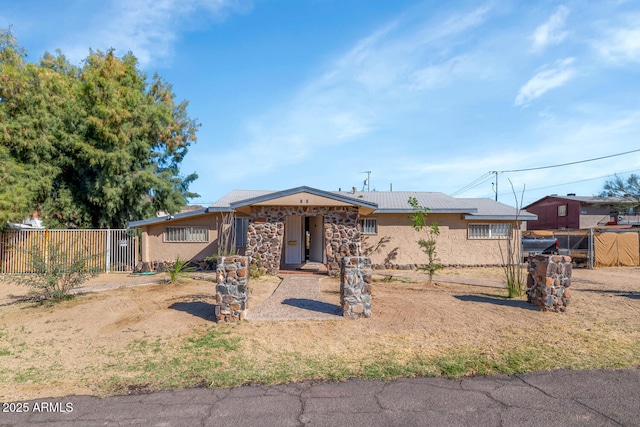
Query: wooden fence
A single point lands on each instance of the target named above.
(106, 250)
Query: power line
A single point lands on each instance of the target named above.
(488, 175)
(572, 163)
(481, 180)
(577, 182)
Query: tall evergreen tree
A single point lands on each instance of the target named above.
(98, 145)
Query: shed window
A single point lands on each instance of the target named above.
(562, 210)
(489, 231)
(186, 234)
(369, 225)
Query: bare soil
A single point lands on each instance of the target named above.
(72, 347)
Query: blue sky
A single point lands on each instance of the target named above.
(427, 95)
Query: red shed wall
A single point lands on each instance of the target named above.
(548, 219)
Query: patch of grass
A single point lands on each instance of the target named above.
(32, 375)
(393, 279)
(212, 339)
(214, 358)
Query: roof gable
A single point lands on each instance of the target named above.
(306, 196)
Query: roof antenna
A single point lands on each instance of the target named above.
(367, 181)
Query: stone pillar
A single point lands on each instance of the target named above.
(342, 237)
(549, 281)
(265, 237)
(232, 295)
(355, 287)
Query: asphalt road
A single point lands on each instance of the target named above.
(561, 398)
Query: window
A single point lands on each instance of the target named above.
(369, 226)
(562, 210)
(186, 234)
(241, 225)
(489, 231)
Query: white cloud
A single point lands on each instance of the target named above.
(440, 75)
(361, 91)
(545, 80)
(148, 28)
(552, 31)
(621, 45)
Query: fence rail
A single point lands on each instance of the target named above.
(106, 250)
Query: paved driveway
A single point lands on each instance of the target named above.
(562, 398)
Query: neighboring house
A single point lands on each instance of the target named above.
(285, 229)
(573, 212)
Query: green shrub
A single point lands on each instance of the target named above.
(54, 270)
(256, 272)
(180, 269)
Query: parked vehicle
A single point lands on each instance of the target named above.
(574, 244)
(540, 245)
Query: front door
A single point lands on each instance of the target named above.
(316, 239)
(293, 242)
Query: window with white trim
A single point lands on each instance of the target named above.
(186, 234)
(241, 226)
(369, 226)
(562, 210)
(489, 231)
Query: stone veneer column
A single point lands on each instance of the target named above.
(342, 237)
(548, 282)
(232, 295)
(265, 237)
(355, 287)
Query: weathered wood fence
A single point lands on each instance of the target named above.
(107, 250)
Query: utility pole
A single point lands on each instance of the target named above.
(368, 182)
(496, 172)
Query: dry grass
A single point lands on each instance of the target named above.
(163, 336)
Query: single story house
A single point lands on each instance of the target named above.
(283, 230)
(573, 212)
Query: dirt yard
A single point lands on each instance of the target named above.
(78, 346)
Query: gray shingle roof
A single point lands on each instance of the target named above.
(386, 201)
(490, 209)
(238, 195)
(398, 201)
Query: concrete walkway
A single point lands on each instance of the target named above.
(296, 298)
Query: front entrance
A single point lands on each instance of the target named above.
(293, 247)
(314, 229)
(303, 239)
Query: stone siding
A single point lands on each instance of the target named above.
(355, 287)
(232, 295)
(265, 234)
(549, 281)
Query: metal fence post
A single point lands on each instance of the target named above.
(107, 253)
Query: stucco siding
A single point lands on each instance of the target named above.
(396, 242)
(158, 250)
